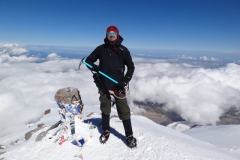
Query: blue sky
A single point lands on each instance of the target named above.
(199, 25)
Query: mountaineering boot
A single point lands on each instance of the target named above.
(104, 136)
(131, 141)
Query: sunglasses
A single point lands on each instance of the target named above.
(112, 34)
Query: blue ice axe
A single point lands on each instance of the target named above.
(103, 74)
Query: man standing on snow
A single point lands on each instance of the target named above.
(113, 57)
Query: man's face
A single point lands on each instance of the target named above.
(112, 36)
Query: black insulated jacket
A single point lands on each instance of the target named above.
(112, 61)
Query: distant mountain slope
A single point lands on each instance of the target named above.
(224, 136)
(158, 114)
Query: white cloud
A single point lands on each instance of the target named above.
(199, 95)
(53, 56)
(213, 59)
(205, 58)
(3, 51)
(18, 51)
(14, 49)
(187, 57)
(13, 53)
(9, 45)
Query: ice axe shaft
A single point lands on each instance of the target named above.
(103, 74)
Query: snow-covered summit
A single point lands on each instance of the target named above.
(154, 142)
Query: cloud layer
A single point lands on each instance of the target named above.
(199, 95)
(27, 88)
(10, 53)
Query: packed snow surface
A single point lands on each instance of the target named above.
(154, 142)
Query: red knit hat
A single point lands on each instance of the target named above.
(114, 29)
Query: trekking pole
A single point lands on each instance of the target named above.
(103, 74)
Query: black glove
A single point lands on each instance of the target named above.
(127, 79)
(95, 68)
(121, 85)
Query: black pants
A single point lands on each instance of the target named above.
(126, 124)
(122, 106)
(122, 109)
